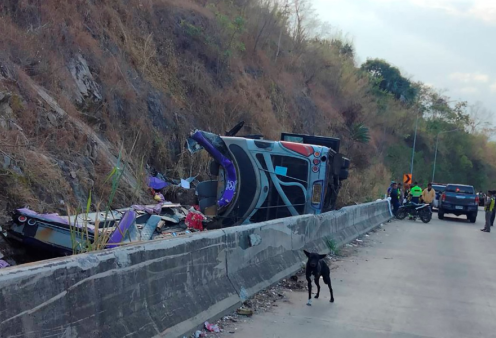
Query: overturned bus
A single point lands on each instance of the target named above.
(256, 180)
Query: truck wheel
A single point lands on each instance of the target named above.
(440, 214)
(472, 218)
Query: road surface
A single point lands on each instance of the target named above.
(409, 280)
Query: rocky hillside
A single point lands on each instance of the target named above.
(86, 85)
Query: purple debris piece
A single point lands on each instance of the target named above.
(3, 264)
(43, 217)
(156, 183)
(231, 178)
(152, 210)
(125, 223)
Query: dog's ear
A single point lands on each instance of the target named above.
(322, 256)
(307, 253)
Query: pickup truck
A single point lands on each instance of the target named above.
(459, 199)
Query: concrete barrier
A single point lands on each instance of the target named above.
(167, 288)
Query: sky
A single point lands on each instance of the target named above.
(448, 44)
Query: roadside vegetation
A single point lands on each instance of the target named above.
(89, 80)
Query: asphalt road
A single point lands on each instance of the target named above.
(408, 280)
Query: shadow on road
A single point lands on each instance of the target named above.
(461, 219)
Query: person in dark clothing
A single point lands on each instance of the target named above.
(395, 198)
(494, 210)
(406, 193)
(400, 193)
(489, 208)
(390, 188)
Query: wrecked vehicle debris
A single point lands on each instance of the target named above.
(255, 180)
(64, 235)
(259, 180)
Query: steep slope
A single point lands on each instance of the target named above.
(85, 81)
(89, 85)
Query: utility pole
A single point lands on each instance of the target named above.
(414, 144)
(435, 153)
(435, 158)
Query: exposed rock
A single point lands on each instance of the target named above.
(14, 125)
(17, 170)
(4, 97)
(87, 87)
(6, 113)
(4, 72)
(6, 161)
(156, 110)
(93, 154)
(52, 118)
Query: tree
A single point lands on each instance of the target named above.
(480, 120)
(390, 80)
(303, 22)
(359, 133)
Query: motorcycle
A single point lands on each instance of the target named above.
(422, 211)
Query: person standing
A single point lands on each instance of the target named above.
(395, 196)
(428, 195)
(489, 208)
(406, 194)
(400, 193)
(416, 193)
(390, 188)
(493, 216)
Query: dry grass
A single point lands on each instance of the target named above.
(138, 49)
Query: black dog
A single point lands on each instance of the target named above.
(317, 267)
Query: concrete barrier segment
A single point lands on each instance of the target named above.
(167, 288)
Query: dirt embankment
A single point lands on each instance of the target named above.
(89, 85)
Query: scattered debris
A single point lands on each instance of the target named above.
(212, 327)
(199, 334)
(294, 283)
(3, 264)
(244, 312)
(133, 224)
(194, 219)
(255, 239)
